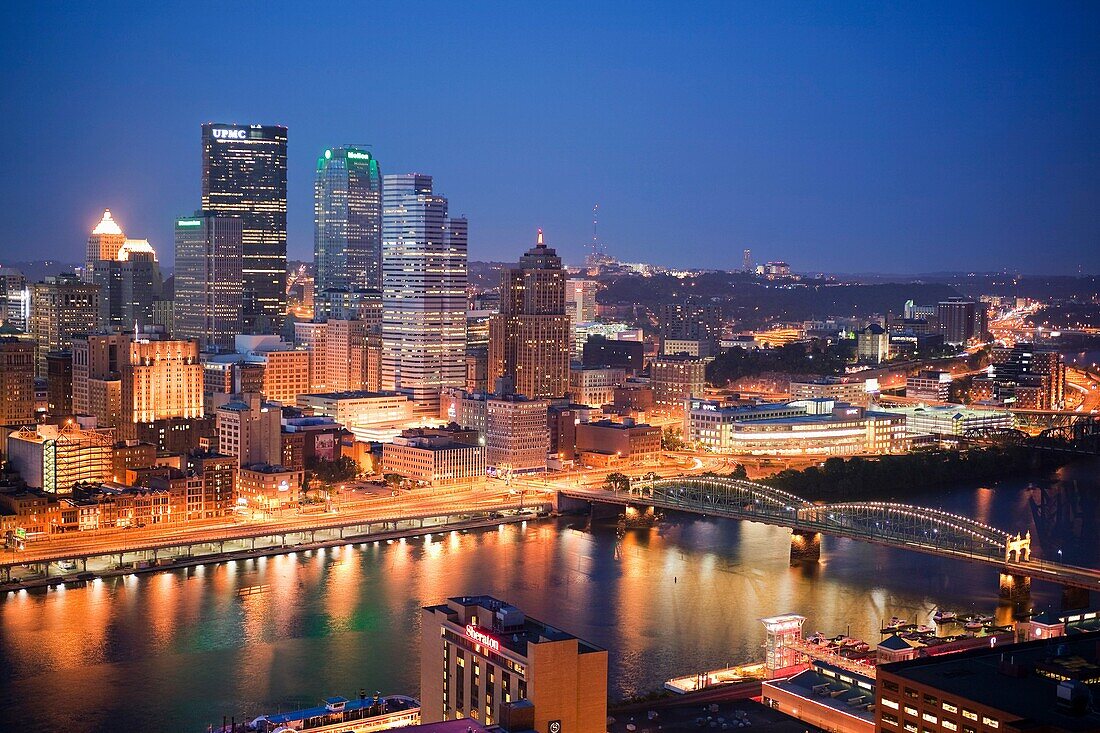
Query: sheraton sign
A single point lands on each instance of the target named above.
(475, 634)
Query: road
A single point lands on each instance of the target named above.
(412, 504)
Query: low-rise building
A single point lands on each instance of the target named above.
(55, 457)
(377, 416)
(930, 385)
(842, 389)
(436, 457)
(801, 427)
(594, 386)
(627, 443)
(269, 488)
(953, 420)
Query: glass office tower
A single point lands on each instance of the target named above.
(209, 282)
(347, 210)
(244, 175)
(423, 292)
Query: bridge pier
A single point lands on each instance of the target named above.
(1015, 588)
(1074, 598)
(805, 546)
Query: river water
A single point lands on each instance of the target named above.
(176, 651)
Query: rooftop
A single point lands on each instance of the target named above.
(355, 394)
(836, 688)
(1020, 680)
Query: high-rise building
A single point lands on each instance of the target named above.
(15, 299)
(691, 319)
(129, 286)
(208, 279)
(244, 175)
(123, 380)
(485, 660)
(61, 307)
(580, 300)
(248, 428)
(104, 242)
(961, 319)
(675, 379)
(16, 380)
(347, 216)
(423, 292)
(746, 260)
(59, 383)
(872, 344)
(530, 339)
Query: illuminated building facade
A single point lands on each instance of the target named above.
(580, 300)
(123, 381)
(841, 389)
(104, 242)
(208, 279)
(15, 299)
(802, 427)
(929, 385)
(368, 415)
(129, 286)
(423, 292)
(676, 378)
(517, 435)
(627, 443)
(690, 319)
(249, 429)
(61, 307)
(435, 458)
(530, 339)
(16, 380)
(999, 688)
(872, 344)
(53, 458)
(484, 659)
(269, 488)
(347, 215)
(594, 386)
(244, 176)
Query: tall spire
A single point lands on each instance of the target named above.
(540, 242)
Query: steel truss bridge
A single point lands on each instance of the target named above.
(915, 528)
(1080, 435)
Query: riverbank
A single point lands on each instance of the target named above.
(73, 579)
(903, 476)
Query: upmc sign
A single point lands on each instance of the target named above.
(223, 134)
(475, 634)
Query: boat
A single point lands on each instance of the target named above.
(341, 715)
(922, 629)
(974, 625)
(944, 617)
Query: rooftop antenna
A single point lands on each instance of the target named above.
(595, 230)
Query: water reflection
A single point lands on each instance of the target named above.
(243, 638)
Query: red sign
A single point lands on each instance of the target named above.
(475, 634)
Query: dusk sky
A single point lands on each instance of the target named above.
(889, 137)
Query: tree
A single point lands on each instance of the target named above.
(617, 481)
(343, 468)
(740, 472)
(672, 438)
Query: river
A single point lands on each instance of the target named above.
(175, 651)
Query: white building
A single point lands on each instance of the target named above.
(423, 293)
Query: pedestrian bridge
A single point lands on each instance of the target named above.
(914, 528)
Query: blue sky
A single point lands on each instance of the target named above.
(837, 136)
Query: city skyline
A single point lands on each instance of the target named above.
(840, 138)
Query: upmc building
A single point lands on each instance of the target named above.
(244, 175)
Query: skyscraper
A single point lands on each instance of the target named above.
(347, 211)
(129, 285)
(61, 307)
(16, 380)
(423, 292)
(208, 281)
(530, 339)
(104, 242)
(580, 300)
(244, 175)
